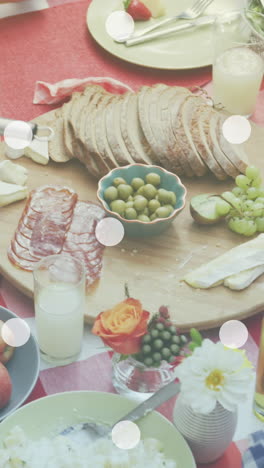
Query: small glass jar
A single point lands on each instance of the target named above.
(137, 381)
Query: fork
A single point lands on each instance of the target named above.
(190, 13)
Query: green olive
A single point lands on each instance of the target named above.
(110, 194)
(153, 205)
(118, 206)
(162, 212)
(145, 211)
(173, 198)
(140, 191)
(137, 182)
(164, 196)
(130, 213)
(153, 217)
(118, 180)
(153, 178)
(130, 198)
(149, 191)
(169, 208)
(124, 191)
(140, 203)
(144, 218)
(130, 204)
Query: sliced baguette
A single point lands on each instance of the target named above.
(57, 149)
(235, 153)
(66, 112)
(101, 136)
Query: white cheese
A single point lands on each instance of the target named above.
(244, 279)
(10, 193)
(38, 151)
(240, 258)
(13, 173)
(155, 6)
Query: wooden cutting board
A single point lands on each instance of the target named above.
(153, 268)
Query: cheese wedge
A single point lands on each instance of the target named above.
(10, 193)
(240, 258)
(13, 173)
(38, 151)
(244, 279)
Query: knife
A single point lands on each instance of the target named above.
(39, 132)
(204, 21)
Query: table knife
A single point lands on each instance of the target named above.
(204, 21)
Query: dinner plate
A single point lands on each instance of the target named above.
(183, 50)
(23, 369)
(49, 415)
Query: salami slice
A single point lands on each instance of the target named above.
(23, 253)
(44, 198)
(19, 262)
(49, 234)
(85, 217)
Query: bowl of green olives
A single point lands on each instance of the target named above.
(146, 199)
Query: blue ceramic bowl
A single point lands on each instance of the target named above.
(168, 181)
(23, 369)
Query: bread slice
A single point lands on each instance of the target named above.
(189, 106)
(131, 130)
(57, 149)
(235, 153)
(207, 154)
(219, 155)
(68, 135)
(113, 131)
(147, 97)
(101, 136)
(162, 128)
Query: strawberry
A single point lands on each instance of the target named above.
(137, 10)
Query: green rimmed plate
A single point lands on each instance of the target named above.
(184, 50)
(49, 415)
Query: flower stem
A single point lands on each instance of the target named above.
(127, 291)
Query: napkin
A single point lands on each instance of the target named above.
(254, 455)
(47, 93)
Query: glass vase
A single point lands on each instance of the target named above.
(137, 381)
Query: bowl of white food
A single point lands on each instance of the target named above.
(32, 437)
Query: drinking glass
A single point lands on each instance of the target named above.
(238, 64)
(59, 297)
(259, 390)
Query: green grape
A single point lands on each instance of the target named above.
(157, 357)
(175, 349)
(118, 180)
(183, 339)
(238, 191)
(222, 207)
(229, 197)
(118, 206)
(162, 212)
(148, 361)
(166, 353)
(140, 203)
(130, 204)
(251, 228)
(157, 344)
(260, 224)
(176, 340)
(172, 329)
(153, 205)
(137, 182)
(260, 200)
(154, 333)
(146, 339)
(252, 193)
(256, 182)
(261, 192)
(252, 172)
(242, 181)
(238, 225)
(110, 194)
(130, 213)
(146, 349)
(166, 335)
(248, 204)
(153, 178)
(149, 191)
(160, 326)
(257, 209)
(164, 196)
(124, 191)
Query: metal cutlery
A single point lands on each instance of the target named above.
(93, 431)
(39, 132)
(190, 13)
(204, 21)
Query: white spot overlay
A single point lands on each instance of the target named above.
(233, 334)
(15, 332)
(119, 25)
(236, 129)
(18, 134)
(126, 435)
(109, 232)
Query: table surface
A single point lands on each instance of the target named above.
(50, 45)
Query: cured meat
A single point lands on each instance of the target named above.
(54, 222)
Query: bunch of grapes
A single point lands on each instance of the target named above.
(246, 215)
(162, 342)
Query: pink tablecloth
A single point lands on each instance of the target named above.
(51, 45)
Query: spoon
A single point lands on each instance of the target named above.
(94, 431)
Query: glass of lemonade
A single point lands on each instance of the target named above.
(59, 297)
(238, 64)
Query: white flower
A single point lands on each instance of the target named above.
(214, 373)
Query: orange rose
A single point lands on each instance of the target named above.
(122, 327)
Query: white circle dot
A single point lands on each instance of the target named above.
(126, 435)
(109, 232)
(119, 25)
(236, 129)
(15, 332)
(18, 134)
(233, 334)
